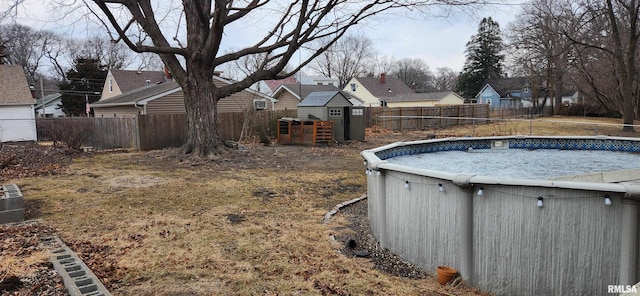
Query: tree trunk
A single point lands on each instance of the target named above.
(201, 102)
(625, 60)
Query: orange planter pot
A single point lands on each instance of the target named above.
(445, 274)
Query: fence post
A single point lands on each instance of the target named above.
(401, 119)
(136, 133)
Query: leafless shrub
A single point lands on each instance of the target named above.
(72, 132)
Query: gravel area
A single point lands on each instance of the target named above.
(362, 243)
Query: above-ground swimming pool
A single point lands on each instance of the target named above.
(515, 215)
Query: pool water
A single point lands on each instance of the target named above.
(522, 163)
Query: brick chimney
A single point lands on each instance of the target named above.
(382, 78)
(167, 74)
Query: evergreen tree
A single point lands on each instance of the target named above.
(84, 84)
(484, 59)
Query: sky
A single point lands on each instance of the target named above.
(440, 42)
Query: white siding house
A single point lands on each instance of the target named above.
(17, 114)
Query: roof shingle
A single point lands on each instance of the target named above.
(129, 80)
(390, 88)
(139, 94)
(14, 89)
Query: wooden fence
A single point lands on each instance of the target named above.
(154, 131)
(97, 132)
(420, 118)
(157, 131)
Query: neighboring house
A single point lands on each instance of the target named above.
(319, 80)
(168, 97)
(17, 115)
(119, 82)
(49, 106)
(570, 96)
(288, 96)
(269, 86)
(504, 93)
(425, 99)
(376, 92)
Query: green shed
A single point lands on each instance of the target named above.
(348, 120)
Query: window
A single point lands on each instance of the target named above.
(260, 104)
(353, 87)
(357, 112)
(335, 112)
(110, 85)
(488, 101)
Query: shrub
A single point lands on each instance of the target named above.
(70, 131)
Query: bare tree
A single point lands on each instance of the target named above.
(384, 64)
(445, 79)
(623, 23)
(111, 54)
(193, 60)
(593, 71)
(149, 61)
(414, 73)
(8, 10)
(612, 27)
(26, 47)
(349, 57)
(542, 49)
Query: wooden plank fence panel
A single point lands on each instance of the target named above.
(421, 118)
(101, 133)
(113, 133)
(158, 131)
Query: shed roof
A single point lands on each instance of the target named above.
(14, 89)
(320, 98)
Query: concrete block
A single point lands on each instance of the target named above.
(11, 204)
(12, 216)
(77, 277)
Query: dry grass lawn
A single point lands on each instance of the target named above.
(248, 223)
